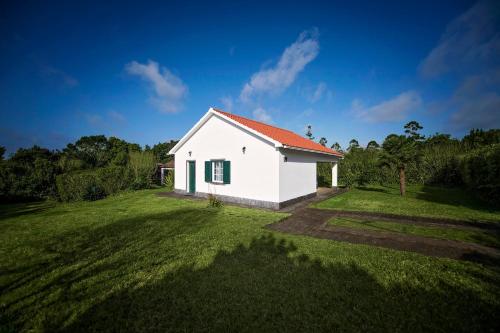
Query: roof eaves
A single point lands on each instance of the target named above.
(314, 151)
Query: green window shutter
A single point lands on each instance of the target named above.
(226, 172)
(208, 171)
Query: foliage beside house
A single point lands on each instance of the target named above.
(88, 169)
(472, 162)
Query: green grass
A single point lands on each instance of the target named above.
(138, 262)
(426, 201)
(487, 238)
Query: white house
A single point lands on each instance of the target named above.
(246, 161)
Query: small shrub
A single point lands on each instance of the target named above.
(214, 202)
(168, 180)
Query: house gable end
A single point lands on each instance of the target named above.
(211, 113)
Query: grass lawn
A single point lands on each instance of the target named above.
(472, 236)
(138, 262)
(420, 200)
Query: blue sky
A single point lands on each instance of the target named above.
(146, 71)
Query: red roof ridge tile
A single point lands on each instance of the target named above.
(229, 114)
(289, 138)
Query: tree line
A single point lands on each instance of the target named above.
(472, 162)
(88, 169)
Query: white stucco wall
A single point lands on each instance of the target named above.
(254, 174)
(298, 173)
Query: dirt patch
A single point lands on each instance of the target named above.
(430, 221)
(313, 222)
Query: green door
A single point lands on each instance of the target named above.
(192, 177)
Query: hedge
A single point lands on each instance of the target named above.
(480, 172)
(79, 186)
(114, 179)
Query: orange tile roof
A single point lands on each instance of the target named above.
(285, 137)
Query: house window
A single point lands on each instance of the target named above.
(217, 171)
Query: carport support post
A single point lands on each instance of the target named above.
(334, 174)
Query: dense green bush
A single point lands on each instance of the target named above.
(324, 174)
(28, 175)
(79, 186)
(103, 165)
(480, 172)
(361, 167)
(439, 164)
(114, 178)
(143, 167)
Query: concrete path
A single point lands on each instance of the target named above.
(313, 222)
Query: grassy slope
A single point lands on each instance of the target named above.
(137, 262)
(471, 236)
(419, 201)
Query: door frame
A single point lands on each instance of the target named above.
(188, 177)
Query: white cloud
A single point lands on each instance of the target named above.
(469, 40)
(478, 113)
(395, 109)
(116, 116)
(306, 113)
(318, 92)
(227, 103)
(469, 49)
(64, 77)
(106, 120)
(293, 61)
(94, 120)
(169, 90)
(260, 114)
(477, 102)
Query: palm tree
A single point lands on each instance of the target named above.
(400, 150)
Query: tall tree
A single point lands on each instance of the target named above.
(336, 146)
(439, 139)
(2, 152)
(412, 130)
(478, 138)
(372, 145)
(93, 150)
(400, 150)
(161, 151)
(353, 145)
(309, 133)
(323, 141)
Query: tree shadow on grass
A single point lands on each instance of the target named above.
(18, 209)
(87, 282)
(454, 197)
(94, 258)
(374, 189)
(262, 287)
